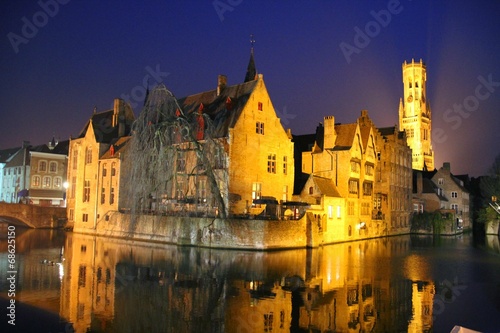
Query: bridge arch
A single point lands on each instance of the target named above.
(32, 216)
(16, 221)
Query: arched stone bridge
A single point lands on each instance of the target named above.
(32, 216)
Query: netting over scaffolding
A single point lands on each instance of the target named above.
(174, 165)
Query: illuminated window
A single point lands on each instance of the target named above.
(88, 155)
(36, 181)
(353, 186)
(367, 188)
(350, 208)
(47, 181)
(369, 169)
(73, 187)
(112, 196)
(75, 159)
(86, 191)
(355, 166)
(42, 166)
(285, 165)
(271, 163)
(57, 182)
(256, 190)
(202, 190)
(259, 128)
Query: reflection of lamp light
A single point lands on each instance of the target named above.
(361, 225)
(66, 185)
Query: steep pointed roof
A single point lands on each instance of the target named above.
(251, 69)
(223, 109)
(345, 135)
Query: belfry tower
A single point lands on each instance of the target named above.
(415, 115)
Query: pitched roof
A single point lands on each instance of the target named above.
(345, 135)
(223, 110)
(119, 146)
(102, 122)
(326, 186)
(6, 154)
(61, 148)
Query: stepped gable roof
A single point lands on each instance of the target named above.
(6, 154)
(345, 136)
(119, 146)
(224, 110)
(326, 186)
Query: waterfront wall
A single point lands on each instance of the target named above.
(492, 227)
(205, 232)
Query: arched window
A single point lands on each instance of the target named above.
(36, 181)
(47, 181)
(57, 182)
(42, 166)
(53, 167)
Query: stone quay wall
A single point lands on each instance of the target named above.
(204, 232)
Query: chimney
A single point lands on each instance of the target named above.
(221, 83)
(420, 184)
(447, 166)
(26, 144)
(330, 135)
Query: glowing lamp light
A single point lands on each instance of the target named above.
(66, 185)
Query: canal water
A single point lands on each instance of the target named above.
(66, 282)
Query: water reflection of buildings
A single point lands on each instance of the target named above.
(112, 285)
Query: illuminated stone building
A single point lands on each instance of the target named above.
(393, 185)
(255, 161)
(342, 162)
(258, 150)
(94, 165)
(456, 194)
(36, 174)
(415, 115)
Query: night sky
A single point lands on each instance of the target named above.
(83, 54)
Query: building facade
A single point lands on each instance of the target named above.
(248, 157)
(93, 167)
(458, 200)
(36, 174)
(393, 184)
(415, 115)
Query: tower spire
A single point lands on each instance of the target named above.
(251, 70)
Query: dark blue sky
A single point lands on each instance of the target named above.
(86, 53)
